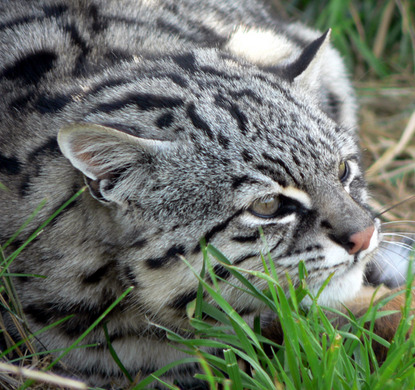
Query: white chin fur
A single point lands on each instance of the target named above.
(341, 288)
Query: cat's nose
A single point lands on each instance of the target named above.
(361, 240)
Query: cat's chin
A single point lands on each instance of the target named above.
(340, 289)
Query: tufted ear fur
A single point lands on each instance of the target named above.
(104, 155)
(306, 69)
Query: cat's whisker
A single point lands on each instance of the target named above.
(408, 243)
(398, 222)
(397, 244)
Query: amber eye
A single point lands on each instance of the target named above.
(343, 171)
(265, 208)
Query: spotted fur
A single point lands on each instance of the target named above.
(180, 117)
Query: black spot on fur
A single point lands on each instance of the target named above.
(224, 141)
(198, 122)
(10, 165)
(171, 254)
(55, 10)
(165, 120)
(130, 276)
(98, 23)
(107, 84)
(268, 171)
(222, 226)
(241, 259)
(283, 165)
(333, 103)
(99, 274)
(247, 156)
(252, 238)
(51, 104)
(238, 181)
(138, 243)
(79, 41)
(177, 79)
(246, 311)
(220, 271)
(50, 11)
(83, 315)
(246, 93)
(326, 224)
(48, 148)
(143, 101)
(25, 185)
(167, 27)
(186, 61)
(180, 302)
(32, 68)
(234, 111)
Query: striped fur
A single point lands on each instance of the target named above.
(180, 127)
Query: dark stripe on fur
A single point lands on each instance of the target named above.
(198, 122)
(222, 226)
(143, 101)
(99, 274)
(274, 175)
(171, 254)
(220, 271)
(283, 165)
(10, 165)
(51, 104)
(252, 238)
(30, 69)
(180, 301)
(165, 120)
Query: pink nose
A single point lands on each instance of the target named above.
(361, 240)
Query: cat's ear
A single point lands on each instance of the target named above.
(306, 69)
(105, 154)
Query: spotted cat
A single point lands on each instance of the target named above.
(185, 119)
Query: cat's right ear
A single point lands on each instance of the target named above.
(105, 155)
(306, 69)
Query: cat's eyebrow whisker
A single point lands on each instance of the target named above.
(394, 206)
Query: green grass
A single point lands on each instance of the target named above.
(376, 38)
(314, 354)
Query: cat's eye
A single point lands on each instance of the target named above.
(265, 208)
(344, 171)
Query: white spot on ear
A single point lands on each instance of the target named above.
(263, 47)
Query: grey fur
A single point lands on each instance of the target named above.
(176, 137)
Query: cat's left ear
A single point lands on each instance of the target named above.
(306, 69)
(105, 155)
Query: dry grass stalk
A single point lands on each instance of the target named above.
(43, 377)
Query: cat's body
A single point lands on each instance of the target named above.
(186, 120)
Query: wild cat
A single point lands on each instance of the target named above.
(184, 119)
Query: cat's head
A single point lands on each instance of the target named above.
(227, 148)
